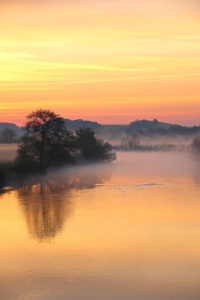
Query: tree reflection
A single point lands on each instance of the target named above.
(47, 204)
(44, 208)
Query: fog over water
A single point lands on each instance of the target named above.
(125, 230)
(167, 165)
(7, 152)
(134, 167)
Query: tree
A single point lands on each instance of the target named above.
(195, 145)
(92, 148)
(8, 136)
(130, 142)
(46, 141)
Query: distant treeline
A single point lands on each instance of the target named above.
(8, 136)
(152, 148)
(145, 128)
(152, 128)
(9, 132)
(76, 124)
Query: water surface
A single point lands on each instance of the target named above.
(129, 230)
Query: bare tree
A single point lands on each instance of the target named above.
(130, 142)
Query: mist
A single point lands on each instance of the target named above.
(130, 169)
(174, 140)
(7, 152)
(115, 137)
(156, 165)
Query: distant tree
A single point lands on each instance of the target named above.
(195, 145)
(130, 142)
(92, 148)
(8, 136)
(46, 141)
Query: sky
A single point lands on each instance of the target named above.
(110, 61)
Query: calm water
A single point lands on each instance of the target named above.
(129, 230)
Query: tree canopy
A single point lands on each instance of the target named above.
(92, 148)
(46, 141)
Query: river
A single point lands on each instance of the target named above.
(129, 230)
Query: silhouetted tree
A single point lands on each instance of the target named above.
(92, 148)
(46, 141)
(8, 136)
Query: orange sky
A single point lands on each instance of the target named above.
(108, 61)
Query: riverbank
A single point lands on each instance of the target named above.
(152, 148)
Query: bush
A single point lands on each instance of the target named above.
(92, 148)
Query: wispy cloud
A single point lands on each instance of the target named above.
(46, 85)
(97, 67)
(16, 55)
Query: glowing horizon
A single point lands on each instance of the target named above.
(109, 61)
